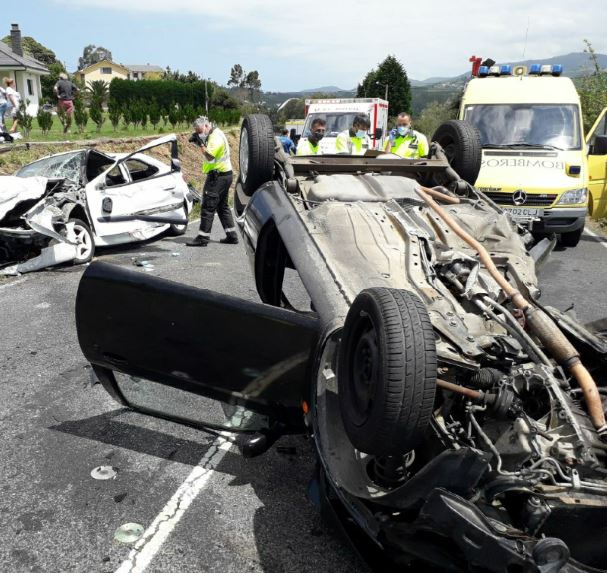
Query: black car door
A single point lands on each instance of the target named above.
(157, 345)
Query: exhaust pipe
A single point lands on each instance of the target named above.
(540, 324)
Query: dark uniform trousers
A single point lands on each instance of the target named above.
(215, 200)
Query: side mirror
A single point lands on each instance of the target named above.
(175, 164)
(599, 146)
(379, 132)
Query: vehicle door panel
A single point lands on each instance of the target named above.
(597, 170)
(195, 341)
(157, 193)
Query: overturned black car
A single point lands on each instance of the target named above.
(459, 424)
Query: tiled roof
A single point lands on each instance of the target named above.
(144, 69)
(8, 59)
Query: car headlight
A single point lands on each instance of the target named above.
(574, 197)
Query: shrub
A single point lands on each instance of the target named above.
(96, 111)
(154, 113)
(25, 119)
(114, 113)
(81, 116)
(45, 120)
(174, 117)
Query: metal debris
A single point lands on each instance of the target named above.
(129, 532)
(104, 472)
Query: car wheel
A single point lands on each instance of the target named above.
(85, 241)
(461, 142)
(571, 239)
(387, 371)
(256, 155)
(178, 230)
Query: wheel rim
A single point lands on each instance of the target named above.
(180, 228)
(84, 243)
(364, 372)
(244, 155)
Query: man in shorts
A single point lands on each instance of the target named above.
(66, 91)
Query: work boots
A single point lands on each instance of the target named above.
(230, 239)
(198, 241)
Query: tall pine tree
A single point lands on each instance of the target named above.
(392, 73)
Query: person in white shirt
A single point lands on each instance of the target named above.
(13, 99)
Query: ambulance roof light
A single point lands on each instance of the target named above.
(534, 69)
(557, 69)
(506, 70)
(494, 71)
(483, 71)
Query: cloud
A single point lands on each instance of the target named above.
(344, 39)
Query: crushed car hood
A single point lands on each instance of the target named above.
(15, 190)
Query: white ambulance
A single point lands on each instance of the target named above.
(339, 114)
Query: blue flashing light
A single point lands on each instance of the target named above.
(483, 71)
(557, 69)
(535, 69)
(506, 70)
(575, 169)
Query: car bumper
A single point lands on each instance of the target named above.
(561, 220)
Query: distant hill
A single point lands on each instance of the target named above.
(442, 88)
(574, 65)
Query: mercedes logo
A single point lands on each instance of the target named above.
(519, 197)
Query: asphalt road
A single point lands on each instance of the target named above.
(205, 507)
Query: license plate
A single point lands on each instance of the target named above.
(524, 213)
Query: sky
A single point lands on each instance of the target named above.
(306, 44)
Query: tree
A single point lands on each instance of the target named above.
(98, 90)
(592, 88)
(253, 84)
(237, 76)
(433, 115)
(48, 81)
(35, 50)
(224, 100)
(294, 108)
(391, 73)
(154, 112)
(93, 54)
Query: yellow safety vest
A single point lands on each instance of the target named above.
(409, 146)
(218, 147)
(351, 145)
(305, 147)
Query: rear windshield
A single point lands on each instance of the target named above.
(64, 166)
(502, 125)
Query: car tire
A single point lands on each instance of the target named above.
(86, 242)
(461, 142)
(178, 230)
(571, 239)
(256, 156)
(387, 371)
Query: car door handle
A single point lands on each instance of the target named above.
(169, 188)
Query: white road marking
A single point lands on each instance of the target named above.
(165, 522)
(17, 282)
(593, 234)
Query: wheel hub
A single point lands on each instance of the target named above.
(364, 374)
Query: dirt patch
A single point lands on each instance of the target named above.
(598, 226)
(189, 154)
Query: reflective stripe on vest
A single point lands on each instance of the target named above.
(221, 164)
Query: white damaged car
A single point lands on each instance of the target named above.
(59, 208)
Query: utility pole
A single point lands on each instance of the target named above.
(386, 89)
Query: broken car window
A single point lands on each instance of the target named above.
(63, 166)
(140, 170)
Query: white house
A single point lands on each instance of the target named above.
(23, 69)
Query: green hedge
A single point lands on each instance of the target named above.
(165, 93)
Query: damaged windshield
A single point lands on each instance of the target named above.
(526, 125)
(64, 166)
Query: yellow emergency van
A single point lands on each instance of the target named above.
(535, 157)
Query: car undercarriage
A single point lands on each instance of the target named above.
(459, 423)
